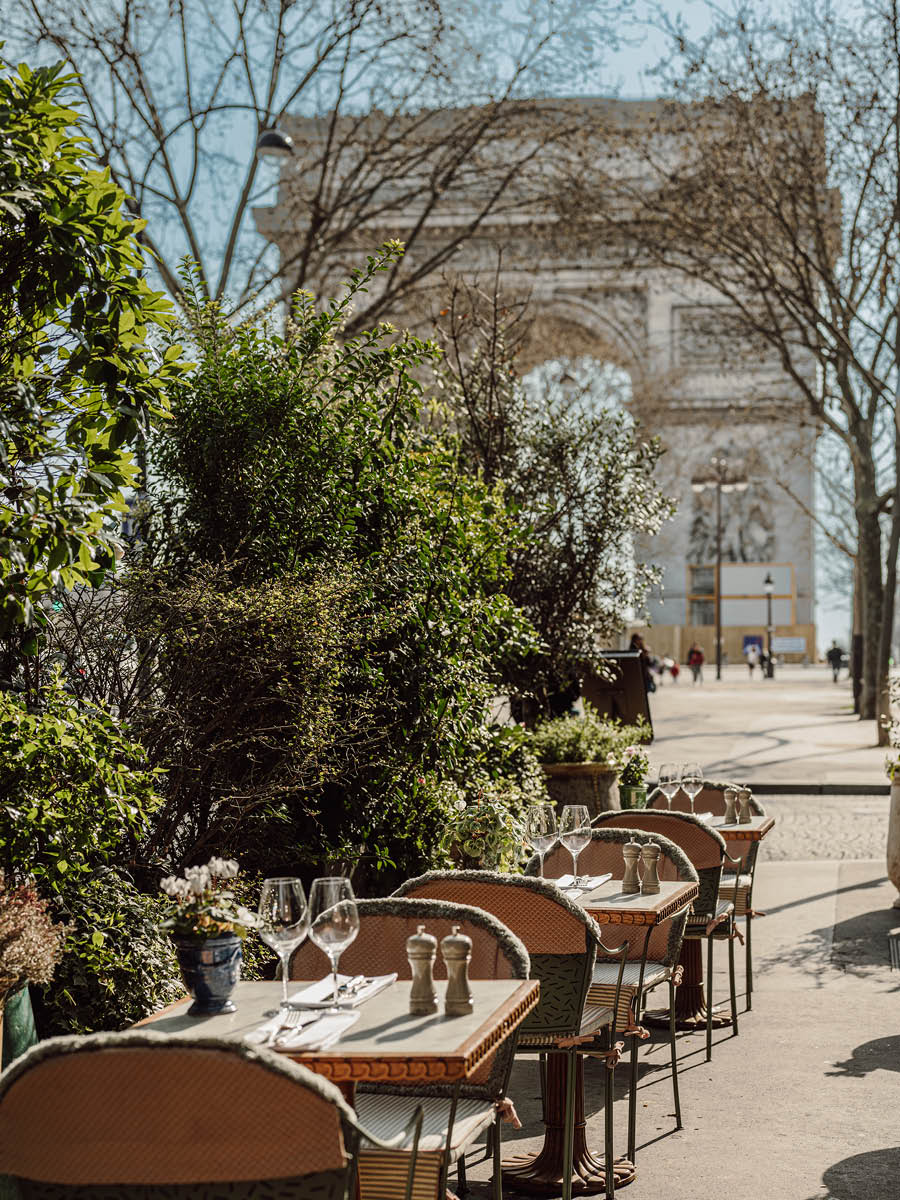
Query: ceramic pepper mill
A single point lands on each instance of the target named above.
(421, 950)
(456, 950)
(744, 801)
(731, 798)
(631, 852)
(649, 857)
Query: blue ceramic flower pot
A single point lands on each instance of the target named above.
(210, 970)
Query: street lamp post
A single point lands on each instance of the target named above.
(769, 585)
(723, 480)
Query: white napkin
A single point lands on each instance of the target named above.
(321, 993)
(316, 1034)
(588, 882)
(704, 816)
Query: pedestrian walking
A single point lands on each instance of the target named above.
(637, 643)
(835, 658)
(753, 656)
(695, 660)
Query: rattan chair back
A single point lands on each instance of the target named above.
(703, 846)
(605, 854)
(144, 1111)
(560, 938)
(385, 924)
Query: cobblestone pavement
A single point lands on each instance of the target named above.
(826, 827)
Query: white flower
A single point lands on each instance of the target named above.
(611, 759)
(173, 886)
(223, 868)
(631, 751)
(460, 806)
(198, 879)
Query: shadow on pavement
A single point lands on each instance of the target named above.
(860, 941)
(871, 1176)
(882, 1054)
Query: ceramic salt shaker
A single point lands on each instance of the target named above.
(456, 950)
(744, 801)
(421, 950)
(731, 799)
(649, 857)
(631, 852)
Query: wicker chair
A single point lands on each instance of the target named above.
(712, 918)
(145, 1116)
(455, 1115)
(651, 960)
(562, 942)
(712, 799)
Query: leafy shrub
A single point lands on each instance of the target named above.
(119, 964)
(76, 793)
(590, 738)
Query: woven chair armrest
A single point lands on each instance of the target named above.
(413, 1126)
(620, 952)
(738, 861)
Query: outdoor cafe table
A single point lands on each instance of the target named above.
(542, 1174)
(690, 998)
(387, 1044)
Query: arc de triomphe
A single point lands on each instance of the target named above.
(667, 333)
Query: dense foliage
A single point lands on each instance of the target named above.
(79, 381)
(297, 461)
(76, 790)
(578, 475)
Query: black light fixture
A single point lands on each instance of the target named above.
(769, 585)
(272, 143)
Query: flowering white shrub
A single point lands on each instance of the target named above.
(203, 906)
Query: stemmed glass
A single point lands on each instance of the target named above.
(575, 832)
(669, 781)
(540, 828)
(334, 922)
(284, 917)
(691, 781)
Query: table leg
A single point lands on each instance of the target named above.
(690, 996)
(541, 1175)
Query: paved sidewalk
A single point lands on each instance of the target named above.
(803, 1104)
(798, 728)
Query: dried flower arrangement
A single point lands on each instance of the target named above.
(30, 943)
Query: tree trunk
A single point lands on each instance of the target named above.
(856, 639)
(869, 553)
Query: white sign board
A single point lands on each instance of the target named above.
(788, 645)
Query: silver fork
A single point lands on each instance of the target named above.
(293, 1018)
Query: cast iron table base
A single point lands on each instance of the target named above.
(541, 1175)
(690, 995)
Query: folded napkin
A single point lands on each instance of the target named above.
(321, 993)
(587, 884)
(704, 816)
(320, 1031)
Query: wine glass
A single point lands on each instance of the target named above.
(284, 916)
(540, 828)
(575, 832)
(669, 781)
(691, 780)
(334, 921)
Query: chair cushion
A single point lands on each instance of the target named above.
(594, 1018)
(385, 1113)
(603, 985)
(697, 922)
(726, 892)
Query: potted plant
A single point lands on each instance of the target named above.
(30, 948)
(207, 926)
(633, 777)
(582, 757)
(484, 833)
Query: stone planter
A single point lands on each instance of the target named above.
(210, 970)
(592, 784)
(17, 1031)
(632, 796)
(893, 840)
